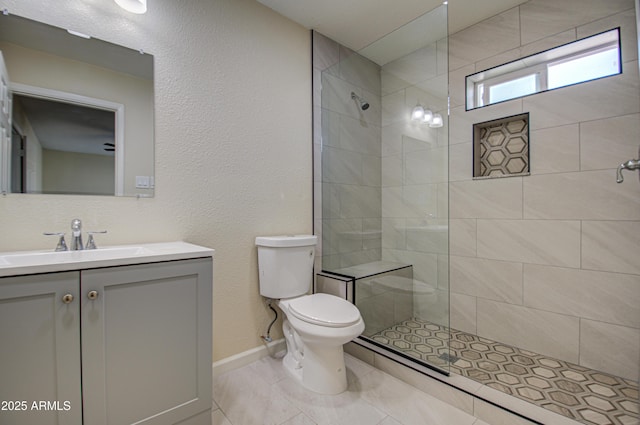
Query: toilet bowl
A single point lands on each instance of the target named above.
(316, 326)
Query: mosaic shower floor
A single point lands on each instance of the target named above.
(582, 394)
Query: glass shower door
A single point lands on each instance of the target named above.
(382, 116)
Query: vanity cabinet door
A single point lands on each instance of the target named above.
(40, 350)
(146, 343)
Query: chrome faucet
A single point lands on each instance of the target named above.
(76, 242)
(76, 228)
(632, 164)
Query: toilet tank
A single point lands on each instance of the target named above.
(285, 265)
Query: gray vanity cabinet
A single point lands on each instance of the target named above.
(146, 343)
(145, 350)
(40, 350)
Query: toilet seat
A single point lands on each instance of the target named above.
(324, 310)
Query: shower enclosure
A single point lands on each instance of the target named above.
(528, 283)
(383, 183)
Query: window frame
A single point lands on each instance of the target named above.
(478, 85)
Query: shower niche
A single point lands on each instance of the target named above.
(501, 147)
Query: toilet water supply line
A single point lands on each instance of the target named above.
(268, 338)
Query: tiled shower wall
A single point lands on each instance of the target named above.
(415, 174)
(551, 262)
(347, 204)
(381, 179)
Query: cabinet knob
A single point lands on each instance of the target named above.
(92, 295)
(67, 298)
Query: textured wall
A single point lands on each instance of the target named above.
(549, 262)
(233, 144)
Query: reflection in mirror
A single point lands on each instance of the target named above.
(78, 116)
(63, 134)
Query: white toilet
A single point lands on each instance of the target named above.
(316, 326)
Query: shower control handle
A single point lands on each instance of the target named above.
(632, 164)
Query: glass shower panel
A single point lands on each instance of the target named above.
(384, 216)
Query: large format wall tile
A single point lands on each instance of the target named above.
(609, 142)
(555, 149)
(461, 161)
(603, 98)
(393, 234)
(420, 201)
(457, 85)
(608, 297)
(394, 109)
(425, 265)
(358, 136)
(491, 279)
(627, 23)
(426, 166)
(589, 195)
(542, 18)
(462, 237)
(463, 312)
(359, 70)
(427, 236)
(547, 43)
(529, 329)
(461, 130)
(415, 67)
(611, 348)
(325, 51)
(341, 166)
(336, 95)
(359, 201)
(494, 198)
(392, 171)
(530, 241)
(487, 38)
(611, 246)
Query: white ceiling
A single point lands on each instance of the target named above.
(358, 23)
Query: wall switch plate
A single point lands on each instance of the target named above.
(142, 182)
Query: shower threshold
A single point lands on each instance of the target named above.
(579, 393)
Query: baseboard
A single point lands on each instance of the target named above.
(246, 357)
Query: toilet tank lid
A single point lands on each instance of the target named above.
(287, 241)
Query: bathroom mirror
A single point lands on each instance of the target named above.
(80, 112)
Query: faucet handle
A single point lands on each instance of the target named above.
(62, 245)
(91, 243)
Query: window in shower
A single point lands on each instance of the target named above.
(584, 60)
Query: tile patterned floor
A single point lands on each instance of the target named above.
(582, 394)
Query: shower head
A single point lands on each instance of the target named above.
(364, 105)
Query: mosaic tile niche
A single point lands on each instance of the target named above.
(501, 147)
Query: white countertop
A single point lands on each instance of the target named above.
(31, 262)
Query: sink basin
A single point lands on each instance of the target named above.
(52, 257)
(29, 262)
